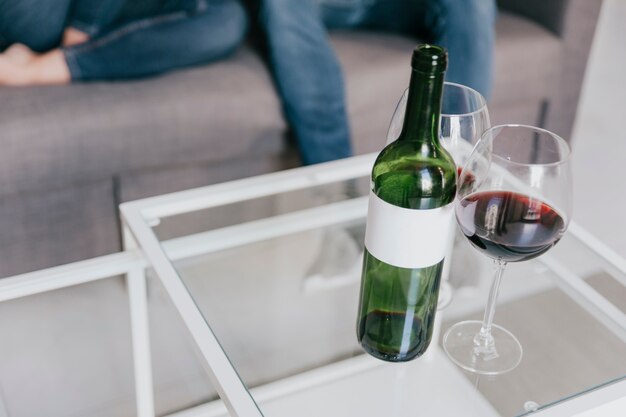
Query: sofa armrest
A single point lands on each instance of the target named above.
(555, 15)
(549, 14)
(574, 21)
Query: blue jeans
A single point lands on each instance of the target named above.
(308, 75)
(129, 38)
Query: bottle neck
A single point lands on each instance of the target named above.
(423, 108)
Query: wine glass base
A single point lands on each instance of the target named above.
(458, 342)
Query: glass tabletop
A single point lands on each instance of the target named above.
(275, 272)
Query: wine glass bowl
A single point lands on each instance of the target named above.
(519, 211)
(513, 203)
(464, 118)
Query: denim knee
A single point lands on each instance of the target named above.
(38, 26)
(233, 25)
(277, 14)
(470, 13)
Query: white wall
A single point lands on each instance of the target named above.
(599, 137)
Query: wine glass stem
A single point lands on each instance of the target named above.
(483, 338)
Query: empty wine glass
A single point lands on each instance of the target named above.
(513, 204)
(464, 118)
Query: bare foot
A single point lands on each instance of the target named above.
(19, 53)
(73, 36)
(12, 64)
(20, 66)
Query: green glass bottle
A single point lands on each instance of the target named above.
(410, 213)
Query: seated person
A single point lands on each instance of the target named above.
(60, 41)
(307, 73)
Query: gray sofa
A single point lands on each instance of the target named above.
(71, 154)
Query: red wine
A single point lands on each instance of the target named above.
(393, 336)
(509, 226)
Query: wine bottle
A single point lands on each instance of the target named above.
(413, 186)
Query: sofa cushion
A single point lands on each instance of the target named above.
(56, 136)
(54, 227)
(527, 60)
(377, 68)
(225, 111)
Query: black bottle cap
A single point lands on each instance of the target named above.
(429, 58)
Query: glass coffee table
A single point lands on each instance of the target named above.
(265, 274)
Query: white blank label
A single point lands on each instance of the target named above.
(405, 237)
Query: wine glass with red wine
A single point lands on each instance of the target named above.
(513, 203)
